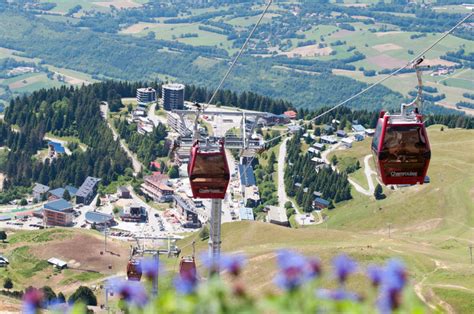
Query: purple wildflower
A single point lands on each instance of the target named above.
(32, 301)
(293, 270)
(343, 267)
(392, 284)
(375, 274)
(314, 267)
(186, 282)
(337, 295)
(150, 268)
(212, 263)
(133, 292)
(232, 263)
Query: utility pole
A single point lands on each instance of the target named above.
(105, 237)
(215, 232)
(470, 251)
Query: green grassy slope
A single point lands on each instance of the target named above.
(431, 228)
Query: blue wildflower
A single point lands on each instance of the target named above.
(186, 282)
(392, 284)
(343, 267)
(375, 274)
(314, 267)
(150, 268)
(293, 270)
(232, 263)
(133, 292)
(212, 263)
(337, 295)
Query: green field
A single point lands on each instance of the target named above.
(431, 228)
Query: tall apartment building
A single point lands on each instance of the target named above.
(87, 191)
(173, 96)
(58, 213)
(146, 95)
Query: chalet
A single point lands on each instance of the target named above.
(134, 213)
(58, 213)
(271, 119)
(123, 192)
(157, 187)
(291, 114)
(328, 140)
(347, 142)
(318, 146)
(341, 133)
(155, 166)
(358, 128)
(318, 160)
(39, 191)
(320, 203)
(312, 150)
(87, 191)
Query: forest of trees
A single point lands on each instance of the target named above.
(69, 111)
(333, 186)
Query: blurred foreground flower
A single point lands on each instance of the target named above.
(232, 263)
(32, 301)
(294, 270)
(375, 274)
(337, 295)
(150, 268)
(133, 292)
(186, 282)
(392, 284)
(343, 267)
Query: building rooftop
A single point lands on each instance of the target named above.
(58, 147)
(321, 201)
(247, 178)
(358, 128)
(146, 90)
(277, 214)
(246, 213)
(123, 189)
(57, 262)
(318, 145)
(59, 205)
(174, 86)
(87, 187)
(98, 217)
(40, 188)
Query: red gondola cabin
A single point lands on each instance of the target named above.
(134, 270)
(401, 149)
(208, 172)
(187, 267)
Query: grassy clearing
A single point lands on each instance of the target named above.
(36, 236)
(81, 277)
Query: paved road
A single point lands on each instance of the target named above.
(368, 174)
(156, 119)
(282, 197)
(137, 165)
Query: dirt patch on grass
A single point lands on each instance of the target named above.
(135, 28)
(386, 62)
(308, 51)
(119, 4)
(83, 252)
(382, 34)
(342, 33)
(438, 61)
(386, 47)
(25, 82)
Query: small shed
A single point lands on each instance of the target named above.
(359, 137)
(3, 261)
(123, 192)
(318, 146)
(347, 142)
(246, 213)
(358, 128)
(56, 262)
(341, 133)
(369, 132)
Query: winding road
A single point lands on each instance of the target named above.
(137, 165)
(368, 174)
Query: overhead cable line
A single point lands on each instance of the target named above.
(411, 62)
(240, 51)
